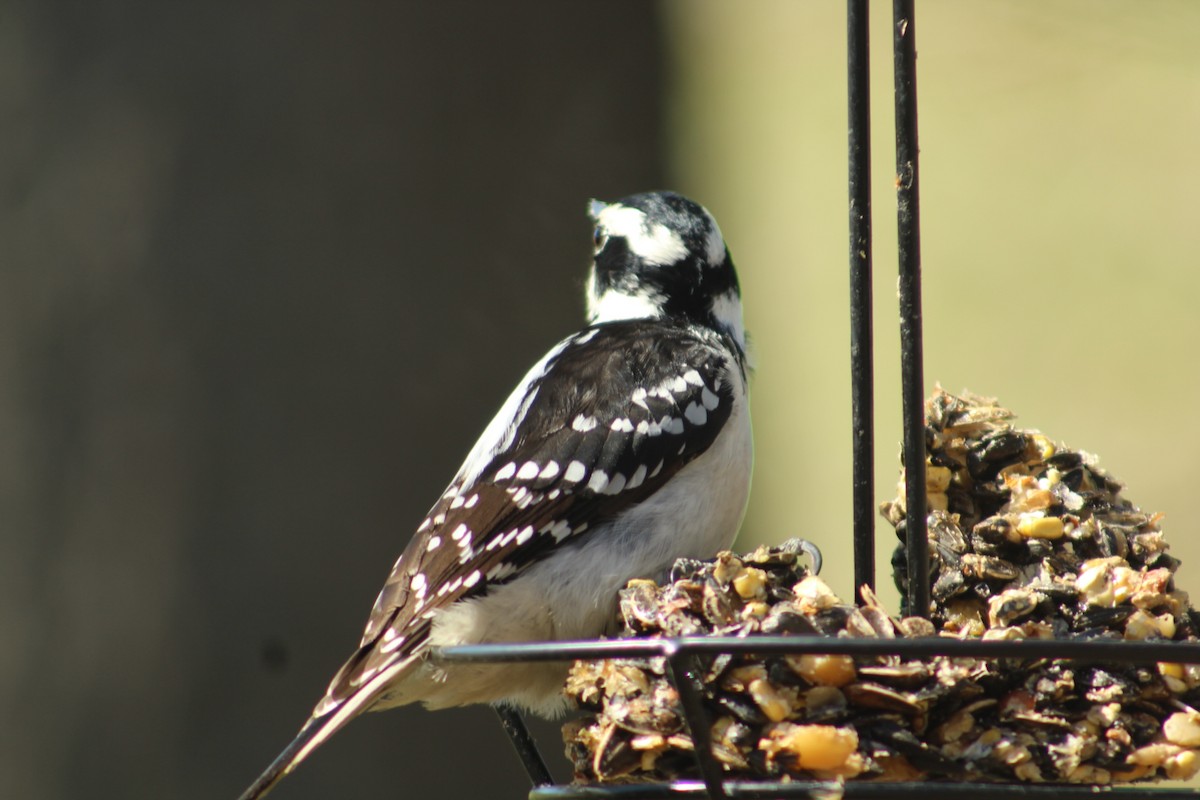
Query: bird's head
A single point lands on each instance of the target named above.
(660, 255)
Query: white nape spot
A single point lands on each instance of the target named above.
(525, 535)
(457, 502)
(615, 485)
(501, 571)
(727, 309)
(528, 471)
(693, 377)
(554, 493)
(393, 643)
(417, 584)
(671, 424)
(575, 472)
(709, 399)
(599, 481)
(586, 336)
(678, 384)
(506, 472)
(638, 397)
(616, 305)
(548, 471)
(583, 424)
(471, 501)
(636, 479)
(696, 414)
(472, 579)
(657, 469)
(622, 425)
(461, 532)
(426, 525)
(434, 543)
(439, 519)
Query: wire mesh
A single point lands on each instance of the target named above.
(680, 655)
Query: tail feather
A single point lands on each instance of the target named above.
(320, 727)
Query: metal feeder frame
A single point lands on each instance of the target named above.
(680, 654)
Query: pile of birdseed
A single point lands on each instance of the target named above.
(1028, 539)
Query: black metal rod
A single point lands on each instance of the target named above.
(683, 674)
(912, 375)
(523, 743)
(862, 358)
(760, 790)
(1094, 650)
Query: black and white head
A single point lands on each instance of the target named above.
(661, 255)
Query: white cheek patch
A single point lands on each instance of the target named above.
(727, 309)
(714, 245)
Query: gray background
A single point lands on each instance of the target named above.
(266, 270)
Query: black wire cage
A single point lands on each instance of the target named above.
(681, 655)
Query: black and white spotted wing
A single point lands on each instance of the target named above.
(617, 410)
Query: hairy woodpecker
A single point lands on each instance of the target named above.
(625, 447)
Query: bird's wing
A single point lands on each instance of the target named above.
(601, 424)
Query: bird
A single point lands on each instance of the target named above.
(625, 447)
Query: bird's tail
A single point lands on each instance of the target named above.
(332, 715)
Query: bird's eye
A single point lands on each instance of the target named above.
(599, 239)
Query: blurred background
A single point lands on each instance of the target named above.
(267, 269)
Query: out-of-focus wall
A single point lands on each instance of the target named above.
(266, 270)
(1059, 228)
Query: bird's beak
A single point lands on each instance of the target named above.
(594, 209)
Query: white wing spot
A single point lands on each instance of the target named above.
(575, 472)
(622, 425)
(643, 427)
(657, 469)
(434, 542)
(615, 485)
(506, 472)
(500, 571)
(696, 414)
(709, 399)
(599, 481)
(549, 471)
(417, 584)
(559, 530)
(461, 532)
(679, 385)
(671, 424)
(471, 501)
(554, 493)
(583, 424)
(457, 502)
(426, 525)
(450, 492)
(639, 397)
(528, 471)
(439, 519)
(519, 494)
(392, 644)
(693, 377)
(472, 579)
(525, 535)
(636, 479)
